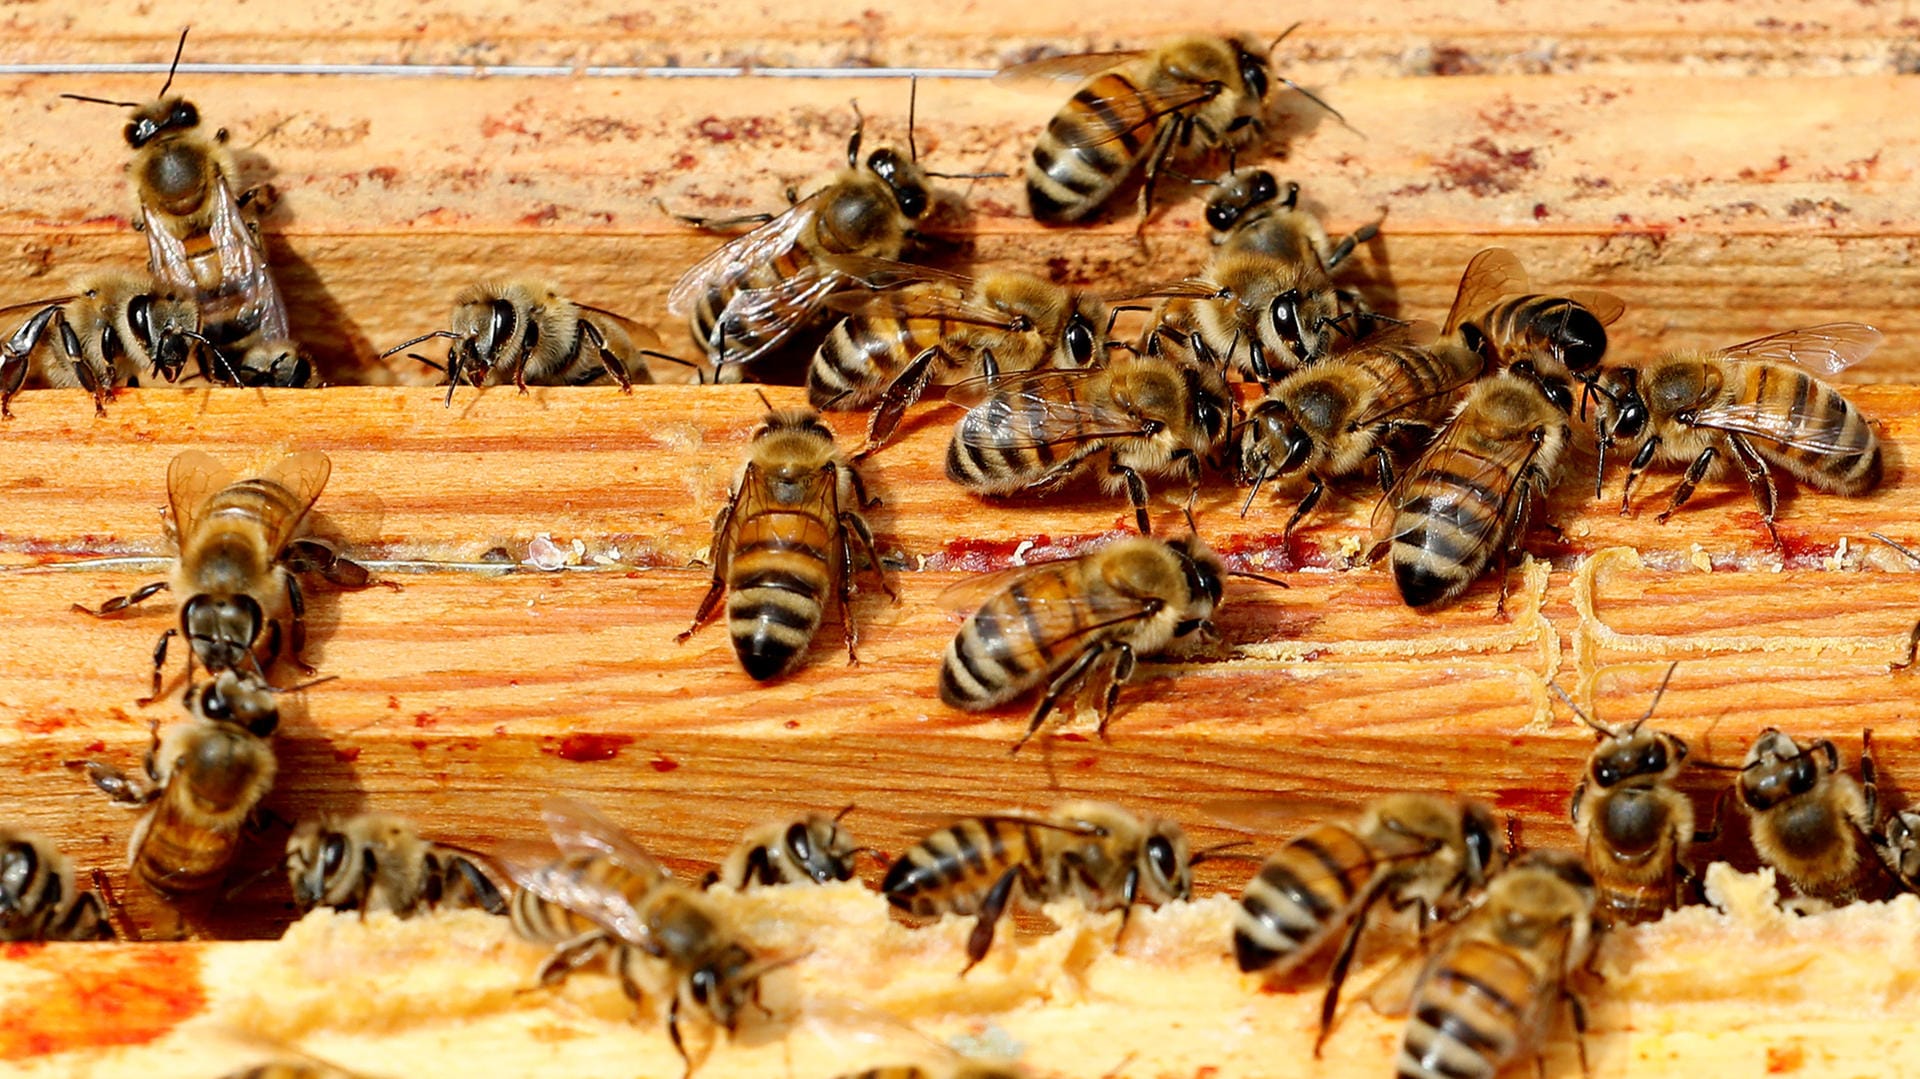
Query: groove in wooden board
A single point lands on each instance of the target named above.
(387, 212)
(1617, 37)
(412, 478)
(1631, 609)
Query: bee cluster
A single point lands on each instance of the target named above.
(1465, 424)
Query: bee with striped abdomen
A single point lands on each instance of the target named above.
(812, 849)
(606, 894)
(912, 326)
(1156, 108)
(111, 331)
(1342, 415)
(1634, 826)
(40, 898)
(1149, 414)
(1096, 852)
(1489, 994)
(1469, 499)
(784, 541)
(204, 781)
(1411, 850)
(1561, 337)
(761, 289)
(1811, 822)
(376, 861)
(1754, 404)
(1078, 624)
(198, 240)
(240, 556)
(527, 333)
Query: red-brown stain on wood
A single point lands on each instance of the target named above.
(113, 996)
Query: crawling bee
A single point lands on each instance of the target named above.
(1809, 822)
(785, 540)
(1271, 305)
(197, 238)
(913, 326)
(761, 289)
(1095, 852)
(1635, 827)
(1559, 337)
(1470, 497)
(527, 333)
(376, 861)
(1342, 415)
(1408, 849)
(812, 849)
(111, 331)
(40, 898)
(1754, 404)
(238, 564)
(204, 780)
(1032, 433)
(1488, 995)
(1079, 623)
(617, 897)
(1899, 847)
(1156, 108)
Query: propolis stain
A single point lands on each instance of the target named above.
(592, 747)
(109, 996)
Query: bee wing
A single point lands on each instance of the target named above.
(1499, 473)
(641, 334)
(1605, 305)
(38, 304)
(1140, 107)
(1774, 425)
(742, 253)
(773, 314)
(1398, 391)
(578, 828)
(192, 478)
(1490, 275)
(1190, 288)
(244, 262)
(1829, 348)
(1076, 67)
(560, 885)
(975, 589)
(1029, 409)
(879, 273)
(304, 474)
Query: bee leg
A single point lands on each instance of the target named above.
(1691, 479)
(1136, 492)
(991, 908)
(1340, 252)
(117, 786)
(1305, 507)
(1760, 480)
(1638, 465)
(1913, 647)
(857, 525)
(1342, 963)
(1118, 675)
(121, 603)
(1578, 1013)
(608, 360)
(722, 529)
(105, 904)
(673, 1033)
(485, 895)
(296, 626)
(160, 665)
(573, 954)
(900, 395)
(1162, 148)
(1067, 681)
(18, 349)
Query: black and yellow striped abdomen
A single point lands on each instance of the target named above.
(183, 852)
(539, 919)
(866, 351)
(1305, 893)
(777, 583)
(1016, 639)
(1086, 152)
(1815, 414)
(951, 871)
(1471, 1014)
(742, 334)
(1015, 440)
(1449, 527)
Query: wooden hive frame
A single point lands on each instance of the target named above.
(1727, 168)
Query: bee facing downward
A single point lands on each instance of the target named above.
(1810, 821)
(376, 861)
(238, 564)
(40, 899)
(784, 540)
(1096, 852)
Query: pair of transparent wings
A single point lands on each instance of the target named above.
(1825, 349)
(243, 264)
(1496, 274)
(195, 477)
(1131, 111)
(1502, 472)
(773, 313)
(578, 828)
(1398, 391)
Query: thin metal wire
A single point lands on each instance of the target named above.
(161, 564)
(521, 71)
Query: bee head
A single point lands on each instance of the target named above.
(1204, 571)
(904, 179)
(1254, 71)
(1165, 866)
(221, 629)
(1079, 340)
(725, 984)
(1478, 835)
(243, 701)
(1629, 408)
(167, 114)
(1778, 770)
(1637, 754)
(820, 849)
(1240, 192)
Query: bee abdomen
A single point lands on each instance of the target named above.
(1468, 1016)
(1300, 896)
(177, 857)
(1067, 182)
(773, 610)
(1852, 463)
(1623, 902)
(948, 871)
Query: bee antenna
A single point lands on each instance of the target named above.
(1657, 694)
(403, 346)
(303, 686)
(913, 101)
(1214, 853)
(1191, 527)
(423, 359)
(102, 101)
(1584, 718)
(1322, 102)
(761, 394)
(1257, 481)
(1911, 556)
(175, 66)
(699, 373)
(1261, 577)
(1283, 37)
(840, 816)
(969, 175)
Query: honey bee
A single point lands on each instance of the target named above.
(1156, 108)
(608, 894)
(1635, 827)
(376, 861)
(1096, 852)
(912, 326)
(1488, 995)
(527, 333)
(204, 780)
(197, 238)
(812, 849)
(238, 564)
(784, 540)
(1809, 822)
(1032, 433)
(1560, 337)
(1271, 305)
(762, 288)
(1754, 403)
(1899, 847)
(109, 332)
(40, 899)
(1343, 414)
(1079, 623)
(1470, 497)
(1412, 850)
